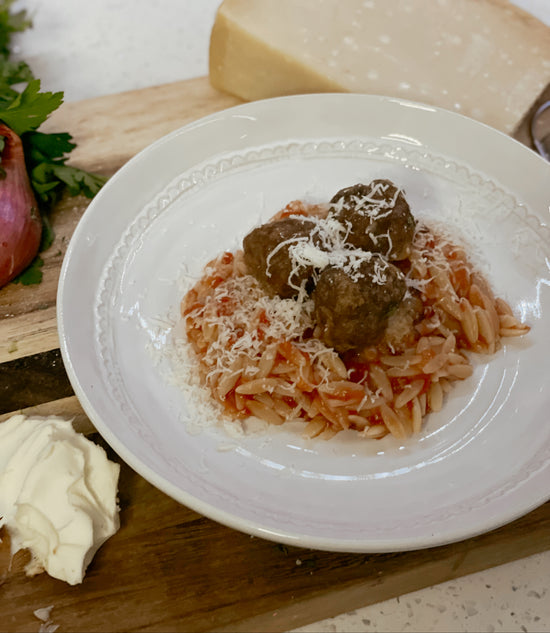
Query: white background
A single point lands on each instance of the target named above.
(92, 48)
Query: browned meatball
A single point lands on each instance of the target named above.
(352, 308)
(400, 332)
(270, 263)
(372, 212)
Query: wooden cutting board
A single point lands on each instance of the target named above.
(168, 568)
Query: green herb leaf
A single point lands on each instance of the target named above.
(12, 73)
(47, 188)
(32, 274)
(49, 179)
(40, 147)
(11, 23)
(30, 108)
(48, 235)
(78, 181)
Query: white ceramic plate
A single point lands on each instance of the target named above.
(483, 461)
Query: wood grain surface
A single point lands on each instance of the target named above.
(168, 568)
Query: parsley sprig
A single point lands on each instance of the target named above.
(23, 108)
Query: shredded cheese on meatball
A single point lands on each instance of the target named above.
(326, 246)
(368, 205)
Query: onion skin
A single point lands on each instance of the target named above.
(20, 223)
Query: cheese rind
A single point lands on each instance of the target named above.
(484, 58)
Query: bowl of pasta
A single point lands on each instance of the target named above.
(322, 320)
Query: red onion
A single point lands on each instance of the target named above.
(20, 223)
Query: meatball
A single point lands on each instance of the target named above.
(378, 216)
(400, 332)
(352, 308)
(270, 263)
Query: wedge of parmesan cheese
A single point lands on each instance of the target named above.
(487, 59)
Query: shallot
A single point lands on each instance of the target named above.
(20, 222)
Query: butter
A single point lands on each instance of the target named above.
(486, 59)
(58, 494)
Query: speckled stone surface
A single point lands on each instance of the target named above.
(89, 49)
(513, 597)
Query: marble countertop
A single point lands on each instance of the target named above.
(89, 49)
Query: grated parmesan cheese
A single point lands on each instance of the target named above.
(46, 625)
(239, 331)
(327, 246)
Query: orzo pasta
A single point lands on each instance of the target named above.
(274, 353)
